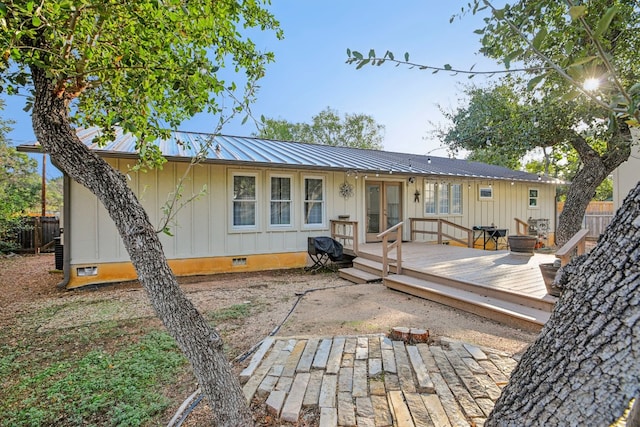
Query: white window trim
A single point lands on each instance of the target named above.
(292, 220)
(482, 188)
(537, 205)
(437, 199)
(241, 228)
(452, 213)
(317, 226)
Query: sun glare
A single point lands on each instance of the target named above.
(591, 84)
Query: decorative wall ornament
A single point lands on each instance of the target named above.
(416, 197)
(346, 190)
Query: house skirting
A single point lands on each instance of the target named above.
(98, 273)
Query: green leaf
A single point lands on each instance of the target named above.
(348, 52)
(35, 21)
(499, 13)
(539, 38)
(362, 63)
(406, 56)
(447, 66)
(583, 61)
(605, 21)
(167, 231)
(577, 12)
(372, 53)
(534, 81)
(571, 95)
(568, 47)
(479, 31)
(634, 89)
(357, 55)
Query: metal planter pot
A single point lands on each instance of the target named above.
(549, 271)
(522, 244)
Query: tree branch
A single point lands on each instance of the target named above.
(549, 61)
(603, 56)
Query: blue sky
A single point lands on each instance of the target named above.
(310, 74)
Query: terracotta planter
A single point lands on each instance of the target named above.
(522, 244)
(549, 274)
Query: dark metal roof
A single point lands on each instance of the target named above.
(243, 150)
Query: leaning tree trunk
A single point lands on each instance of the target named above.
(584, 367)
(200, 343)
(595, 169)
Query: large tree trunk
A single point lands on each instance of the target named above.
(584, 367)
(595, 169)
(200, 343)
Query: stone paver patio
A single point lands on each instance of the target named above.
(373, 381)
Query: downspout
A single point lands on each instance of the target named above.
(66, 235)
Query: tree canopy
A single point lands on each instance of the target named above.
(327, 128)
(146, 66)
(507, 125)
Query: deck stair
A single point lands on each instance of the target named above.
(508, 307)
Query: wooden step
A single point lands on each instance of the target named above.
(493, 308)
(546, 303)
(370, 266)
(355, 275)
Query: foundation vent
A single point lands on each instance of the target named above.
(237, 262)
(87, 271)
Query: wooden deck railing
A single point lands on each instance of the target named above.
(522, 227)
(345, 232)
(576, 245)
(387, 247)
(440, 230)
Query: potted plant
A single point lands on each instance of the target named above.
(549, 271)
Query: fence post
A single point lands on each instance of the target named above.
(37, 235)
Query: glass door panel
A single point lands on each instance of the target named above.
(374, 210)
(384, 208)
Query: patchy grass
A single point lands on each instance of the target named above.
(97, 387)
(234, 312)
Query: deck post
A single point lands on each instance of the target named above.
(386, 247)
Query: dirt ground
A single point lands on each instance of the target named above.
(327, 305)
(286, 303)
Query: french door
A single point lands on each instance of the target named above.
(384, 208)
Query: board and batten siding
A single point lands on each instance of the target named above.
(203, 228)
(204, 241)
(509, 201)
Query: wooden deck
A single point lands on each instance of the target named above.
(495, 284)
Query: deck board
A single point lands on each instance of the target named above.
(493, 269)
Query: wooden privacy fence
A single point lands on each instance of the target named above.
(596, 218)
(38, 234)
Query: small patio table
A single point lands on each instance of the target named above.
(490, 234)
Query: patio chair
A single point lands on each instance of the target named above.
(324, 252)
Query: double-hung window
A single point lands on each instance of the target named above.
(533, 198)
(244, 201)
(442, 198)
(314, 203)
(280, 206)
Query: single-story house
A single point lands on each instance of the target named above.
(627, 175)
(262, 199)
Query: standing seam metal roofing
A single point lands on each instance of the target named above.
(255, 150)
